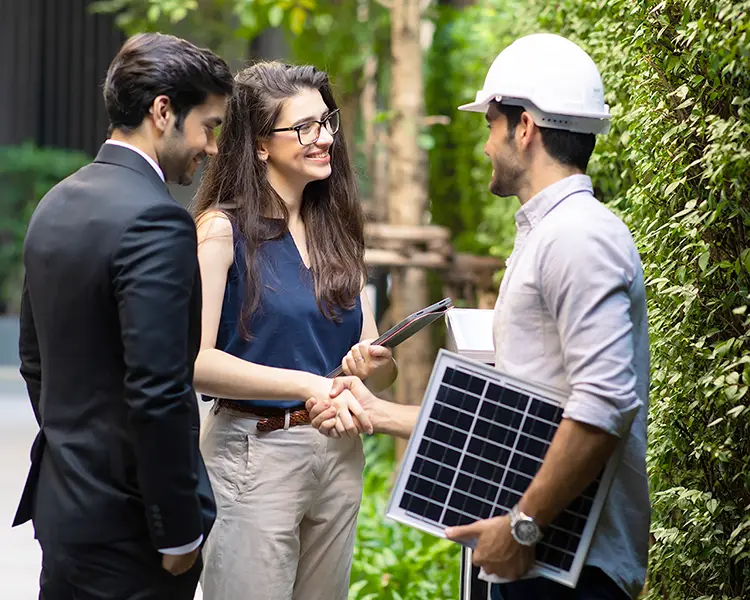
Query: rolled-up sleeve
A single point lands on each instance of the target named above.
(585, 276)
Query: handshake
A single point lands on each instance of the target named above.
(348, 408)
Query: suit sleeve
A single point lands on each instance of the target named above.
(28, 350)
(154, 269)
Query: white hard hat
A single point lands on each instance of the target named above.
(553, 79)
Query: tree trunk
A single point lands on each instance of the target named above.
(377, 184)
(415, 355)
(348, 105)
(407, 192)
(406, 184)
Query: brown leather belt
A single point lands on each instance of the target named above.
(273, 418)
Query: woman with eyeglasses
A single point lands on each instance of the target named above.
(281, 253)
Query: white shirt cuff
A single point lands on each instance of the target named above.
(183, 549)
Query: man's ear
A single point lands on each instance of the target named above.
(161, 112)
(525, 130)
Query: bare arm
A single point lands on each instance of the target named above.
(218, 373)
(393, 419)
(576, 456)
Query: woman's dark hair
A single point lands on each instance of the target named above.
(567, 147)
(153, 64)
(235, 183)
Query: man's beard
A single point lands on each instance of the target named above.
(505, 181)
(177, 161)
(507, 171)
(177, 166)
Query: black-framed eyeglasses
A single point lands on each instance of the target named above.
(309, 131)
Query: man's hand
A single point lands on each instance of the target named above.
(177, 564)
(496, 551)
(351, 419)
(364, 359)
(325, 413)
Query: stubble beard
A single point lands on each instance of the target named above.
(505, 182)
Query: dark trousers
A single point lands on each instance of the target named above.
(126, 570)
(593, 584)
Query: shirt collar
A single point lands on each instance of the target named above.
(150, 160)
(531, 213)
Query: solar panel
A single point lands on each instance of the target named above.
(480, 439)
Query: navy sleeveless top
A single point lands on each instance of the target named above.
(287, 330)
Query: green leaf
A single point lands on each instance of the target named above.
(745, 258)
(724, 347)
(703, 260)
(712, 505)
(275, 15)
(178, 14)
(672, 187)
(297, 18)
(734, 412)
(426, 141)
(153, 13)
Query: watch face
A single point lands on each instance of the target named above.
(527, 532)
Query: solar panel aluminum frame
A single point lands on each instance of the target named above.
(446, 359)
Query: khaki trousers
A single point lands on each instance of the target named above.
(287, 504)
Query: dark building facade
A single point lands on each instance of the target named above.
(54, 56)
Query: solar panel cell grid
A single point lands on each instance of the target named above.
(481, 443)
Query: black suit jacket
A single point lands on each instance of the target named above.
(110, 328)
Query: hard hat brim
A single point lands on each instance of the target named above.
(479, 106)
(582, 122)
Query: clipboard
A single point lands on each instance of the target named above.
(412, 324)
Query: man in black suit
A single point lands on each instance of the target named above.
(110, 328)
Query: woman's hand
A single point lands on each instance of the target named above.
(350, 418)
(364, 359)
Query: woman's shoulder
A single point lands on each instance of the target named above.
(214, 223)
(215, 238)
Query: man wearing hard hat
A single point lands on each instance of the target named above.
(571, 314)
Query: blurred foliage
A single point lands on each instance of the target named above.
(393, 561)
(337, 36)
(328, 41)
(210, 19)
(26, 174)
(465, 44)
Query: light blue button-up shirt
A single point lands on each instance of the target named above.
(571, 313)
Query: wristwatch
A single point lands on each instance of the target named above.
(523, 528)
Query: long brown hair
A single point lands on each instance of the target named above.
(236, 184)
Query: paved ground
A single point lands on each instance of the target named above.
(20, 556)
(8, 340)
(19, 565)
